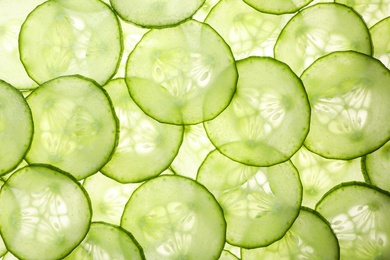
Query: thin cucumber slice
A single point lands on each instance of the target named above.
(75, 127)
(259, 203)
(349, 95)
(175, 80)
(318, 174)
(12, 15)
(372, 11)
(71, 37)
(142, 141)
(359, 215)
(108, 197)
(380, 36)
(16, 127)
(270, 98)
(278, 7)
(247, 31)
(310, 237)
(376, 166)
(316, 31)
(174, 217)
(3, 249)
(194, 149)
(39, 218)
(9, 256)
(156, 13)
(106, 241)
(205, 9)
(226, 255)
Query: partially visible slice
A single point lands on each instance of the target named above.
(106, 241)
(380, 36)
(174, 217)
(349, 95)
(16, 127)
(174, 79)
(75, 127)
(316, 31)
(146, 147)
(156, 13)
(359, 215)
(310, 237)
(259, 203)
(39, 217)
(278, 7)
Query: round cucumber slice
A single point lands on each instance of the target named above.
(380, 36)
(142, 141)
(16, 127)
(259, 203)
(107, 241)
(310, 237)
(278, 7)
(270, 98)
(39, 218)
(175, 80)
(318, 30)
(75, 127)
(71, 37)
(359, 215)
(247, 31)
(174, 217)
(156, 13)
(349, 95)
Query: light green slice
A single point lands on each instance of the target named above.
(278, 7)
(380, 36)
(204, 10)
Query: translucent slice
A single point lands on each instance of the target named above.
(16, 127)
(106, 241)
(146, 147)
(380, 36)
(372, 11)
(174, 217)
(316, 31)
(278, 7)
(247, 31)
(71, 37)
(259, 203)
(174, 79)
(12, 15)
(376, 166)
(310, 237)
(108, 197)
(156, 13)
(3, 249)
(349, 95)
(318, 174)
(270, 98)
(194, 149)
(205, 9)
(75, 127)
(39, 217)
(226, 255)
(359, 215)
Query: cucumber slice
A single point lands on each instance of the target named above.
(318, 174)
(174, 217)
(175, 80)
(108, 197)
(270, 98)
(106, 241)
(310, 237)
(71, 37)
(376, 166)
(16, 127)
(12, 15)
(315, 31)
(247, 31)
(204, 10)
(380, 36)
(142, 141)
(259, 203)
(75, 125)
(359, 215)
(39, 218)
(156, 13)
(226, 255)
(349, 95)
(278, 7)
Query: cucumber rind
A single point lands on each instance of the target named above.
(277, 8)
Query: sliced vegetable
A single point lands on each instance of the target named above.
(278, 7)
(380, 35)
